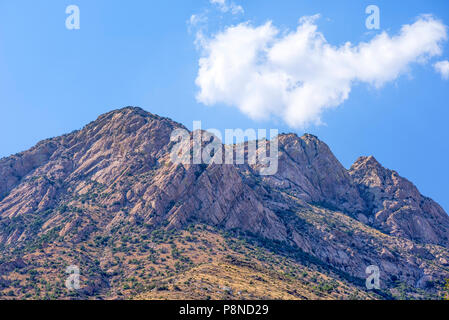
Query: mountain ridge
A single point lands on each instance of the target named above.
(115, 177)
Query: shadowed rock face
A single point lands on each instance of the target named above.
(118, 169)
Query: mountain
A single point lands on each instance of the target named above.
(109, 199)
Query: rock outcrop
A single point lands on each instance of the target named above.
(395, 205)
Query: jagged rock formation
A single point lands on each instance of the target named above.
(117, 172)
(395, 205)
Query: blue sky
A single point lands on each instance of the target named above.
(54, 80)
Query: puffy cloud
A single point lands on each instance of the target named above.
(298, 75)
(228, 6)
(442, 67)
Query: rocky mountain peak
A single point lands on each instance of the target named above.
(394, 204)
(309, 170)
(129, 120)
(369, 161)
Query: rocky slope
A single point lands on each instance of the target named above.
(108, 198)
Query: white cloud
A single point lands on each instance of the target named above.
(228, 6)
(298, 75)
(195, 19)
(197, 22)
(442, 67)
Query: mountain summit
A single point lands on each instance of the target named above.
(108, 199)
